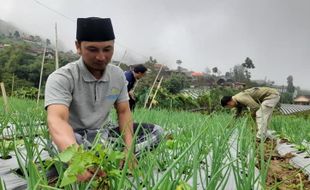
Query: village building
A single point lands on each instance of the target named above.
(302, 100)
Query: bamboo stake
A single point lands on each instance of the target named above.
(155, 92)
(136, 84)
(119, 64)
(56, 48)
(148, 96)
(41, 73)
(5, 98)
(12, 85)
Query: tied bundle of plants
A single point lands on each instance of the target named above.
(98, 159)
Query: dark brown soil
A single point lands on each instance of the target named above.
(281, 174)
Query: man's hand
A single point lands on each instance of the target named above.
(86, 176)
(132, 95)
(126, 128)
(132, 162)
(89, 173)
(59, 128)
(253, 115)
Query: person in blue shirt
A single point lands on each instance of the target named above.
(132, 76)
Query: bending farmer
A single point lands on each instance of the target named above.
(261, 102)
(132, 77)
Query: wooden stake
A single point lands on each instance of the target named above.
(5, 98)
(41, 73)
(56, 48)
(119, 64)
(136, 84)
(12, 90)
(149, 94)
(158, 86)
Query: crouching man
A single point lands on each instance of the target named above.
(80, 95)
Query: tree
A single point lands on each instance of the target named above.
(238, 73)
(248, 64)
(286, 98)
(247, 74)
(143, 86)
(150, 63)
(214, 69)
(228, 75)
(16, 34)
(37, 39)
(19, 62)
(179, 62)
(176, 83)
(48, 42)
(290, 86)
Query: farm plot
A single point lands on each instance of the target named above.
(198, 152)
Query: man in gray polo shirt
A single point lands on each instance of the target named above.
(80, 95)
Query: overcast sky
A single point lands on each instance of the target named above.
(275, 34)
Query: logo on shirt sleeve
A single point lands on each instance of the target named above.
(114, 94)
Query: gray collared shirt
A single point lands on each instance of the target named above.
(89, 100)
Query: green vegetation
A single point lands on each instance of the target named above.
(204, 148)
(20, 63)
(293, 128)
(101, 159)
(198, 149)
(195, 137)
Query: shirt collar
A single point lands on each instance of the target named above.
(88, 77)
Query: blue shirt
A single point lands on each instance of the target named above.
(130, 79)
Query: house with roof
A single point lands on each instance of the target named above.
(5, 45)
(302, 100)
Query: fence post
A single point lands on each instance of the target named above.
(41, 73)
(150, 92)
(5, 98)
(155, 92)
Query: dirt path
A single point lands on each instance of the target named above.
(281, 174)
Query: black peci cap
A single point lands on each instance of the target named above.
(225, 100)
(94, 29)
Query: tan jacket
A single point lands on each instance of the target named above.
(253, 97)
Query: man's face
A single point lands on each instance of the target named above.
(140, 75)
(231, 104)
(96, 55)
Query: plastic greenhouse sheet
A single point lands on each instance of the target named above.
(231, 181)
(300, 159)
(203, 177)
(8, 165)
(14, 182)
(293, 108)
(10, 129)
(11, 164)
(285, 148)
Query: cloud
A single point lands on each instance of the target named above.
(202, 33)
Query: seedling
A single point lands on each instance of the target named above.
(99, 158)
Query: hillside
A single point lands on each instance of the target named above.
(6, 28)
(21, 58)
